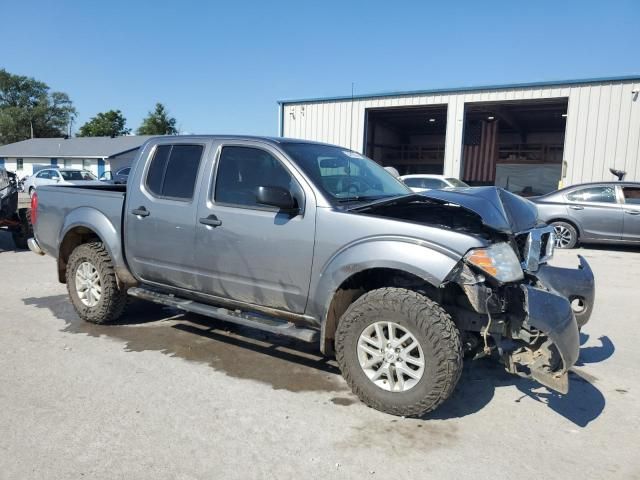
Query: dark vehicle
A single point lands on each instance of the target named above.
(120, 176)
(605, 212)
(319, 243)
(17, 221)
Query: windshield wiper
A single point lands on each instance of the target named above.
(361, 198)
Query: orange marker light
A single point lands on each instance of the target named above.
(481, 259)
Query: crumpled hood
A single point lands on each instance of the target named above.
(499, 209)
(493, 207)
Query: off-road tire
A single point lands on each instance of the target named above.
(25, 230)
(572, 231)
(430, 325)
(113, 299)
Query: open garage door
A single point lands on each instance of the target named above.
(410, 139)
(515, 145)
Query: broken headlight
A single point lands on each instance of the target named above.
(499, 261)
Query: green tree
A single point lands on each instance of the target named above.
(105, 124)
(29, 109)
(158, 122)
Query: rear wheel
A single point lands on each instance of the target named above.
(399, 351)
(92, 284)
(566, 234)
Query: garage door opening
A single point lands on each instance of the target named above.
(410, 139)
(515, 145)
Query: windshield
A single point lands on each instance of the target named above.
(344, 175)
(456, 183)
(77, 175)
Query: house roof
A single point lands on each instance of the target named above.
(81, 147)
(473, 88)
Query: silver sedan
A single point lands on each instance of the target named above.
(607, 212)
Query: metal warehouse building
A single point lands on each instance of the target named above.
(527, 137)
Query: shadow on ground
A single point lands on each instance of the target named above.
(296, 366)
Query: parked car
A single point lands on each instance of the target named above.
(271, 234)
(14, 219)
(119, 176)
(54, 176)
(423, 182)
(605, 212)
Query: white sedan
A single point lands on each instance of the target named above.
(55, 176)
(422, 182)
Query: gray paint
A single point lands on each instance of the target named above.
(316, 250)
(597, 222)
(265, 262)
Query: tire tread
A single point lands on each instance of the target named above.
(430, 319)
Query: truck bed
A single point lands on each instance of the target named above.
(60, 207)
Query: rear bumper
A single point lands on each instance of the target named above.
(34, 246)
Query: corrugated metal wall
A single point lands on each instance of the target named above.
(603, 124)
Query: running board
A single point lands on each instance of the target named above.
(245, 319)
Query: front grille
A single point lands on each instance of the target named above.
(535, 247)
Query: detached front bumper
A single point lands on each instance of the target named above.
(575, 284)
(548, 339)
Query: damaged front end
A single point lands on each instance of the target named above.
(504, 297)
(532, 323)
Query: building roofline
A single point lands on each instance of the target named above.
(551, 83)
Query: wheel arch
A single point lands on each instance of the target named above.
(570, 222)
(374, 265)
(85, 225)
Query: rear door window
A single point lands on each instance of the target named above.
(605, 194)
(173, 171)
(631, 195)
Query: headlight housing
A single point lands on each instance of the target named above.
(499, 261)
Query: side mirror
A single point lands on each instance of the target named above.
(57, 179)
(277, 197)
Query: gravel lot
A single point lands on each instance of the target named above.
(167, 395)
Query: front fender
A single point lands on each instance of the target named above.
(428, 261)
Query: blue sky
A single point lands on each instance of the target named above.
(220, 67)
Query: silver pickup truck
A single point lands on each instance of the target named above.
(319, 243)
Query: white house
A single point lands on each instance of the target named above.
(96, 154)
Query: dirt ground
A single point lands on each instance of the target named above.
(169, 395)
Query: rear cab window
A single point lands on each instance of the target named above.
(173, 171)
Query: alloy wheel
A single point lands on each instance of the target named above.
(390, 356)
(88, 284)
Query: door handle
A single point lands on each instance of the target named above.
(211, 221)
(141, 212)
(633, 212)
(576, 207)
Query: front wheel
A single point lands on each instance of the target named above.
(92, 284)
(399, 351)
